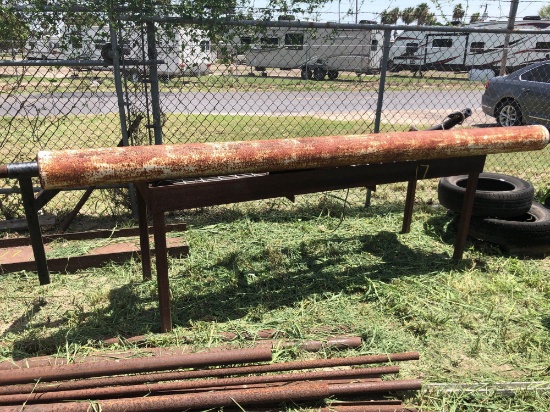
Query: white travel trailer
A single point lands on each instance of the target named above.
(184, 51)
(319, 53)
(462, 51)
(44, 48)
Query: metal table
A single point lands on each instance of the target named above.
(157, 198)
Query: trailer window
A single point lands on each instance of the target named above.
(477, 47)
(543, 45)
(205, 46)
(442, 43)
(269, 42)
(540, 74)
(411, 48)
(246, 40)
(374, 45)
(294, 41)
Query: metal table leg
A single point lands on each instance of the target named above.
(465, 215)
(31, 213)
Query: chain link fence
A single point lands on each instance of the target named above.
(259, 80)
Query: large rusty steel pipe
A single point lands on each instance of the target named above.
(146, 389)
(214, 373)
(91, 167)
(302, 392)
(136, 365)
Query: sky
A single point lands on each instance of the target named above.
(370, 9)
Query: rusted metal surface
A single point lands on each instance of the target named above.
(150, 388)
(89, 167)
(305, 391)
(218, 372)
(87, 370)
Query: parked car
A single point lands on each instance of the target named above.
(522, 97)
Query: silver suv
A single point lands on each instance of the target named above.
(522, 97)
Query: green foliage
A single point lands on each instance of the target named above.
(474, 17)
(458, 12)
(544, 11)
(407, 15)
(390, 16)
(14, 30)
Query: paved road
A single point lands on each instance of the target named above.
(248, 103)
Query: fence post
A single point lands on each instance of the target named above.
(121, 106)
(510, 26)
(154, 80)
(381, 87)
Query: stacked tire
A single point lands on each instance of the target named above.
(504, 212)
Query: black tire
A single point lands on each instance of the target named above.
(306, 74)
(332, 74)
(319, 73)
(526, 234)
(508, 113)
(497, 195)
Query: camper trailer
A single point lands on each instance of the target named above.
(318, 53)
(184, 51)
(461, 51)
(44, 48)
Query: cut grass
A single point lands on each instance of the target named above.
(311, 270)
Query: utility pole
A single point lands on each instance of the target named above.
(511, 20)
(356, 10)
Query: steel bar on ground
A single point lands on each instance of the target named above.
(90, 167)
(211, 373)
(137, 365)
(303, 392)
(148, 379)
(145, 389)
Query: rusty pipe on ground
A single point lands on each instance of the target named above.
(146, 389)
(303, 392)
(211, 373)
(136, 365)
(338, 342)
(91, 167)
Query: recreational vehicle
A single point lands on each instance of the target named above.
(318, 53)
(461, 51)
(184, 51)
(44, 48)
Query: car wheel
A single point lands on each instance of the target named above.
(527, 234)
(306, 74)
(509, 114)
(497, 195)
(332, 74)
(319, 73)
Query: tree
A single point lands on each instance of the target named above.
(421, 14)
(544, 12)
(14, 31)
(389, 17)
(458, 12)
(474, 17)
(407, 15)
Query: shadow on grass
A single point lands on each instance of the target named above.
(250, 283)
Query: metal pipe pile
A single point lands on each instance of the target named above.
(207, 380)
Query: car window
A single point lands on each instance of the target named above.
(540, 74)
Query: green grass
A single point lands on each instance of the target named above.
(57, 80)
(312, 270)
